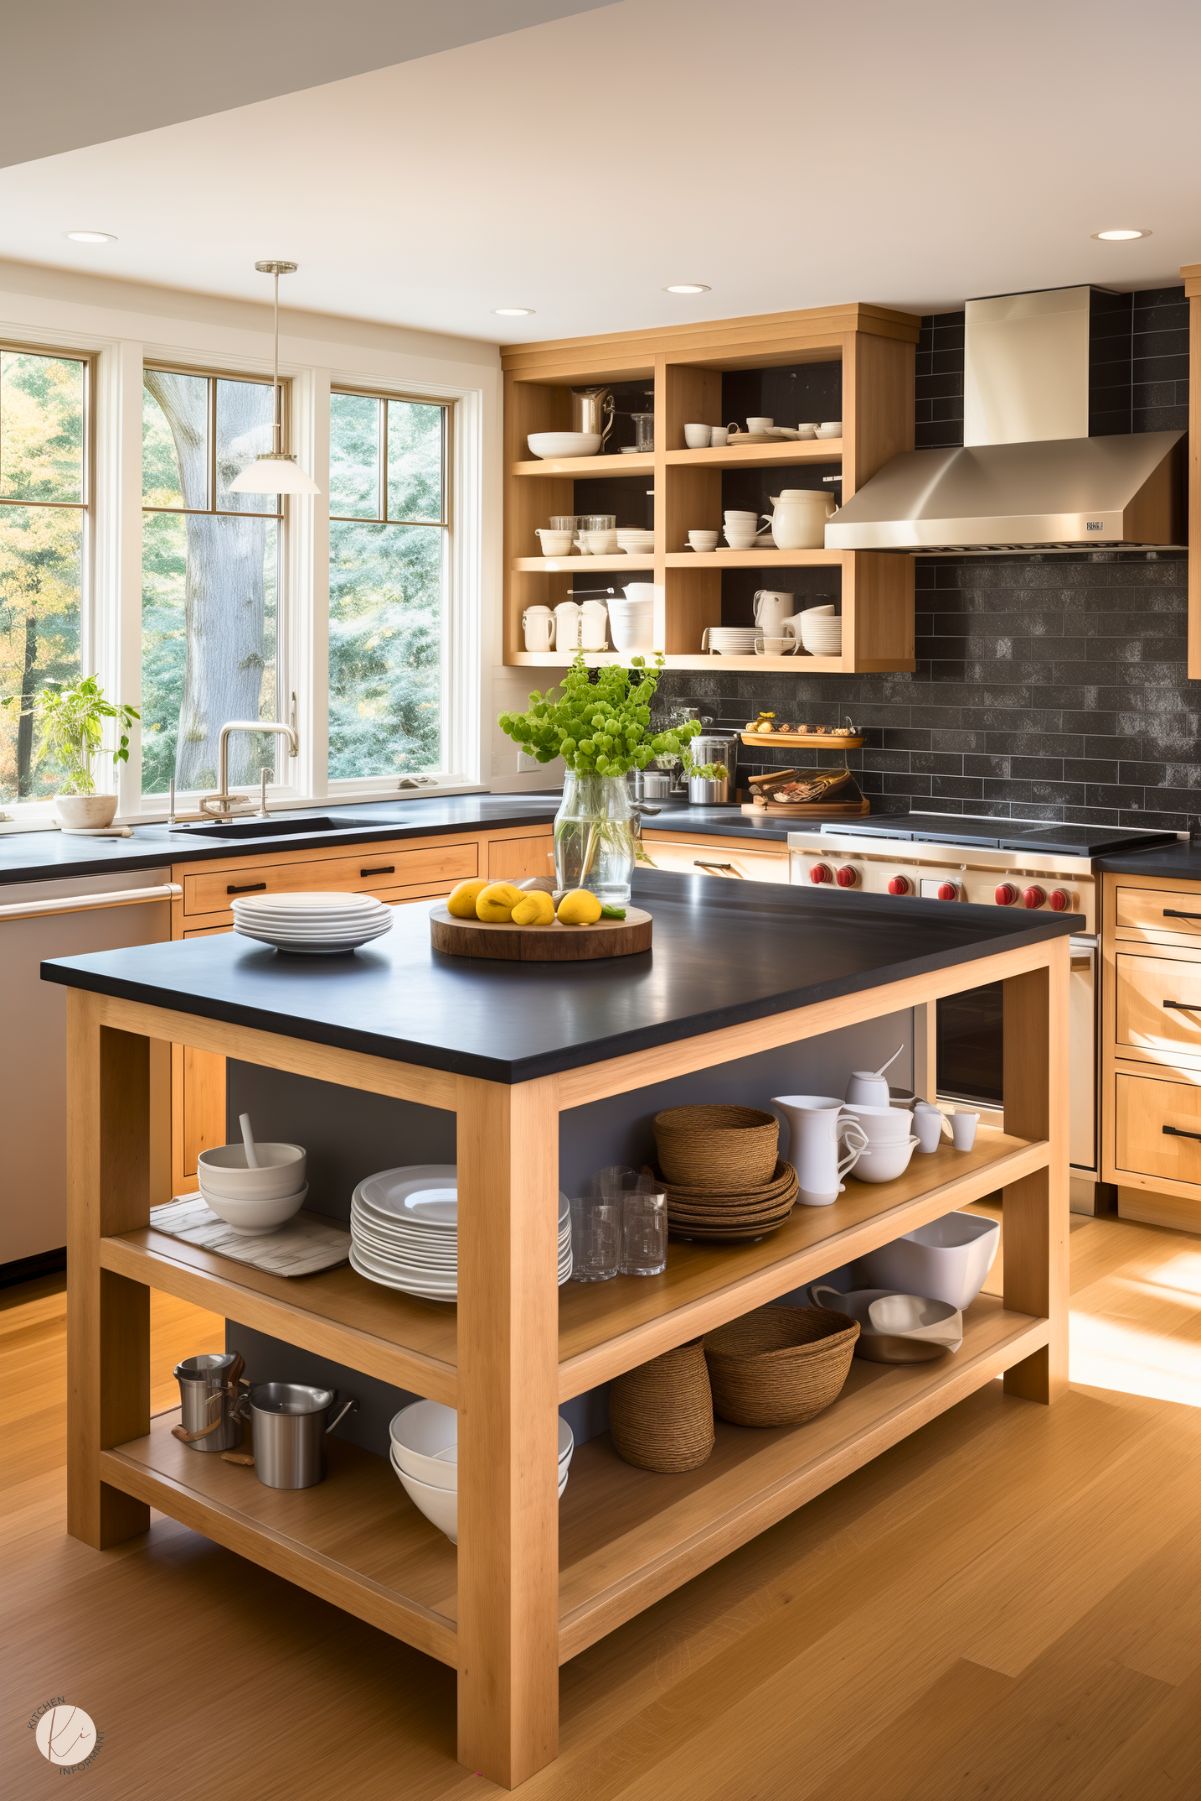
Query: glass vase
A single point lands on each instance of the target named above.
(594, 836)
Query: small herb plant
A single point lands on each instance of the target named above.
(70, 718)
(599, 722)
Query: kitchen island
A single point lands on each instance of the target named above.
(509, 1051)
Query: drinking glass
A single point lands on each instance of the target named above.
(595, 1238)
(644, 1230)
(565, 522)
(598, 522)
(644, 431)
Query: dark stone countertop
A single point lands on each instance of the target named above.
(723, 822)
(722, 954)
(1180, 862)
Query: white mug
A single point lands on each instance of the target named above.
(719, 437)
(538, 628)
(824, 1143)
(931, 1125)
(703, 540)
(759, 423)
(698, 437)
(963, 1128)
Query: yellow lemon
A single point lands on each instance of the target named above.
(579, 908)
(495, 902)
(534, 909)
(460, 902)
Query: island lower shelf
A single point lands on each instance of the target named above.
(626, 1536)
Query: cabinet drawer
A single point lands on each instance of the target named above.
(717, 860)
(1158, 915)
(1158, 1003)
(431, 868)
(1158, 1129)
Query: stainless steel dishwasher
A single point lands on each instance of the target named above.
(38, 920)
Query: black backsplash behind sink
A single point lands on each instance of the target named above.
(1046, 687)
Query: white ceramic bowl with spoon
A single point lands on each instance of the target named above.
(224, 1172)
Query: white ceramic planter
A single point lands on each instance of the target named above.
(91, 811)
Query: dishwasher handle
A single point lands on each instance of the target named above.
(77, 903)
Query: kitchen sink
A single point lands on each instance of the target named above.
(269, 828)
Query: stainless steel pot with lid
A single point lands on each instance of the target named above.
(714, 791)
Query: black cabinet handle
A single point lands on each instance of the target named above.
(1175, 913)
(1184, 1006)
(244, 887)
(702, 863)
(1179, 1132)
(383, 869)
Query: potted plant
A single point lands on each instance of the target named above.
(69, 719)
(599, 722)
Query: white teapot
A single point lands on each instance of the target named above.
(799, 519)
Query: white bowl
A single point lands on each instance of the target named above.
(425, 1438)
(257, 1215)
(564, 443)
(282, 1170)
(884, 1163)
(831, 429)
(703, 540)
(883, 1125)
(825, 611)
(894, 1328)
(946, 1260)
(441, 1505)
(554, 544)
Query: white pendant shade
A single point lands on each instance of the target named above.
(275, 473)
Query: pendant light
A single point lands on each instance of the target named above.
(277, 471)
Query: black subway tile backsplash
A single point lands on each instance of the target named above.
(1046, 687)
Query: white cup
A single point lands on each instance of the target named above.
(719, 436)
(538, 628)
(963, 1128)
(698, 437)
(740, 538)
(699, 540)
(930, 1124)
(736, 516)
(775, 647)
(758, 423)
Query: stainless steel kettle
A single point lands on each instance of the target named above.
(592, 410)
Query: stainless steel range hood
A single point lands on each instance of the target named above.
(1028, 476)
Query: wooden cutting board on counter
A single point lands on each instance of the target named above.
(541, 944)
(810, 809)
(842, 798)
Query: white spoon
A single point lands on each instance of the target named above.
(891, 1060)
(252, 1161)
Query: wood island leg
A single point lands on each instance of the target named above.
(508, 1576)
(108, 1317)
(1036, 1209)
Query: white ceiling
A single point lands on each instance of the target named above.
(786, 152)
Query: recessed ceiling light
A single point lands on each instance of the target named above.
(513, 312)
(92, 237)
(687, 287)
(1121, 234)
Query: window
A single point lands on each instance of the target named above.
(388, 586)
(211, 565)
(44, 474)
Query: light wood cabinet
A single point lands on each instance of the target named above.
(430, 868)
(725, 859)
(517, 859)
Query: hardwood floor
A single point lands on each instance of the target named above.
(1006, 1607)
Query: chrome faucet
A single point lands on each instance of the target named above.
(223, 804)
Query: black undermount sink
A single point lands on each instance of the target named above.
(268, 828)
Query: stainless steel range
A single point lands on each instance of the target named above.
(987, 862)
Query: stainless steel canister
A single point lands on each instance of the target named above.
(713, 747)
(209, 1418)
(288, 1424)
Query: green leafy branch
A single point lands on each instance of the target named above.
(70, 719)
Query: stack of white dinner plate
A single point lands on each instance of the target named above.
(313, 925)
(404, 1230)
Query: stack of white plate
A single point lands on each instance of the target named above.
(404, 1230)
(821, 631)
(312, 925)
(733, 640)
(423, 1450)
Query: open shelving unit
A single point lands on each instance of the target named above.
(861, 357)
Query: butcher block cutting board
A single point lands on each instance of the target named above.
(541, 944)
(808, 809)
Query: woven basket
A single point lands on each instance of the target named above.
(717, 1147)
(661, 1414)
(779, 1366)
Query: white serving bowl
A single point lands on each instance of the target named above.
(564, 443)
(946, 1260)
(425, 1439)
(441, 1505)
(883, 1125)
(884, 1163)
(894, 1328)
(255, 1215)
(554, 544)
(819, 642)
(282, 1170)
(832, 428)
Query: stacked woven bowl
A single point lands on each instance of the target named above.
(722, 1172)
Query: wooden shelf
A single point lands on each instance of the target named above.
(355, 1539)
(608, 1327)
(628, 1536)
(801, 740)
(761, 456)
(756, 559)
(618, 563)
(638, 462)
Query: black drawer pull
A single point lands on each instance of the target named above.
(1175, 913)
(1184, 1006)
(244, 887)
(1179, 1132)
(702, 863)
(381, 869)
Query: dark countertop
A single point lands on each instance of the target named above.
(45, 856)
(1179, 862)
(722, 955)
(724, 822)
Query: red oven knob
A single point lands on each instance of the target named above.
(1059, 900)
(846, 877)
(948, 891)
(819, 872)
(1033, 897)
(1005, 894)
(899, 884)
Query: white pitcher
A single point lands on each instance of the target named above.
(538, 627)
(772, 608)
(567, 625)
(824, 1143)
(799, 519)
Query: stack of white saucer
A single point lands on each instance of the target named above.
(312, 925)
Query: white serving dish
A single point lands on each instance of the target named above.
(895, 1328)
(223, 1171)
(832, 428)
(425, 1440)
(884, 1162)
(254, 1216)
(564, 443)
(441, 1505)
(946, 1260)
